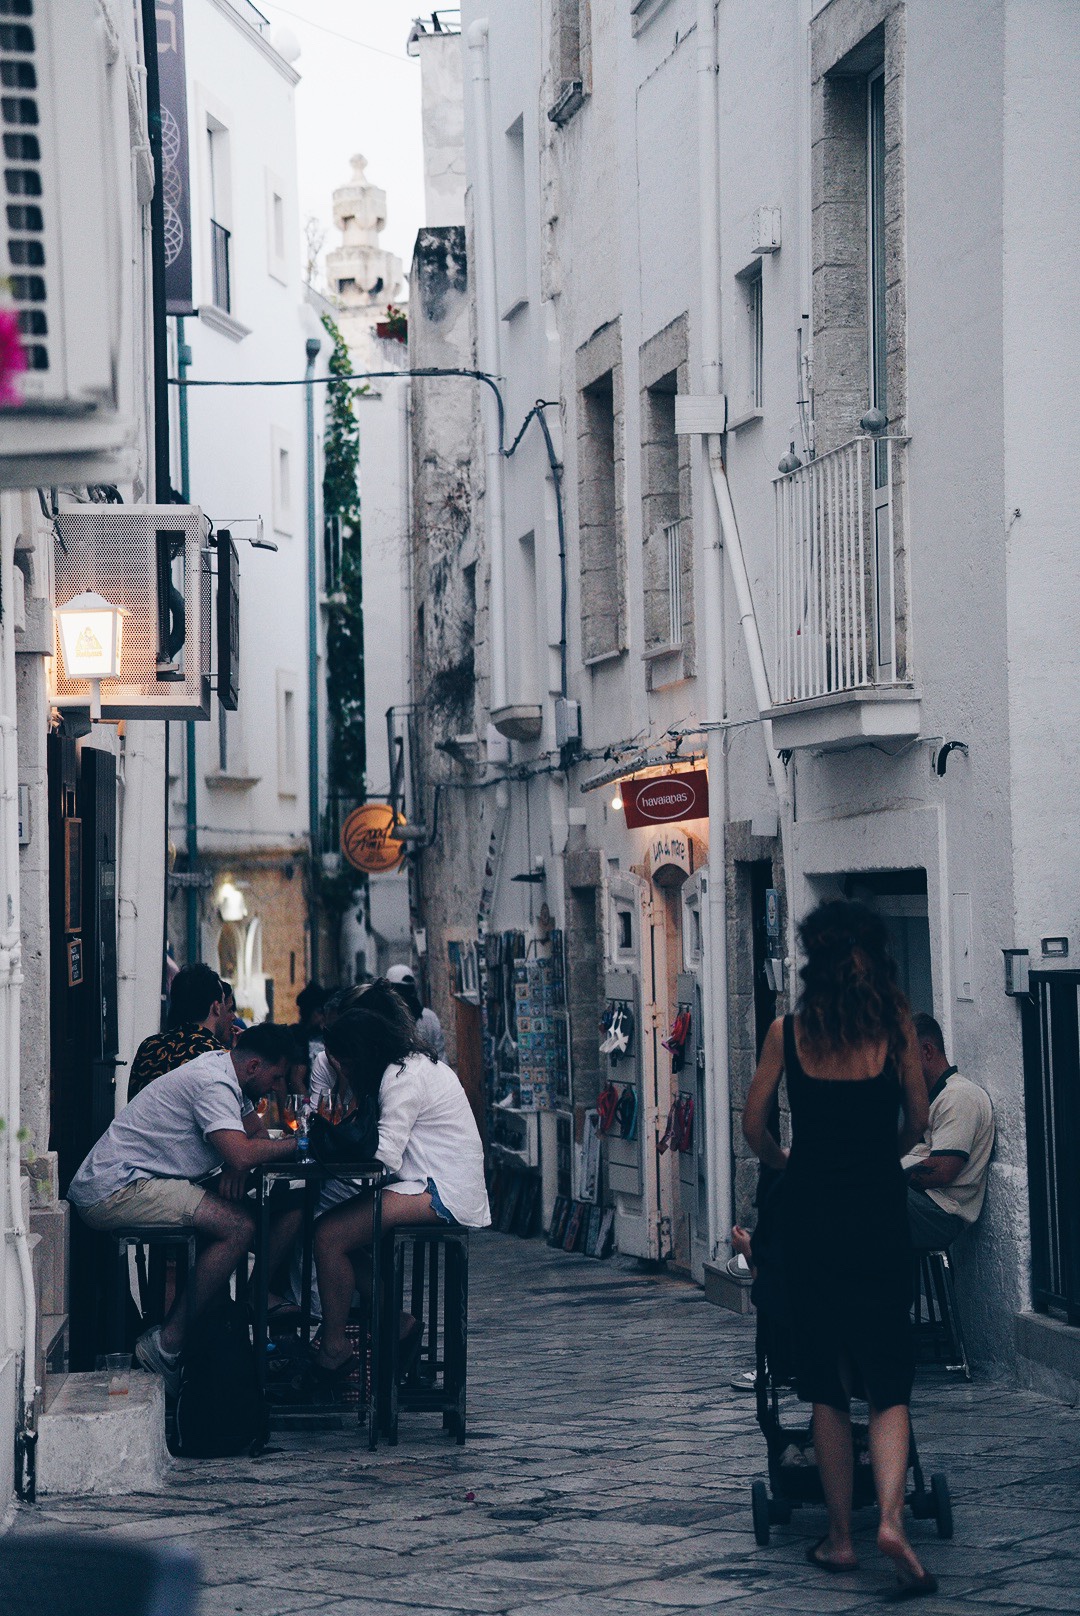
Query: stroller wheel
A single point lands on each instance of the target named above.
(759, 1505)
(939, 1493)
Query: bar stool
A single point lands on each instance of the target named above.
(439, 1273)
(939, 1336)
(153, 1244)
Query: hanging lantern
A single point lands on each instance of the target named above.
(91, 633)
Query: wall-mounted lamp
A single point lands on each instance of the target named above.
(1017, 968)
(616, 802)
(231, 903)
(91, 631)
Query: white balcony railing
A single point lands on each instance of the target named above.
(836, 605)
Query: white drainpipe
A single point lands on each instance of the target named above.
(11, 981)
(487, 331)
(718, 1135)
(719, 532)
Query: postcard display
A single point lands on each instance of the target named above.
(543, 1033)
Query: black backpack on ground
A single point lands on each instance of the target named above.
(220, 1410)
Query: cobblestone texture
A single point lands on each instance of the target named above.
(607, 1473)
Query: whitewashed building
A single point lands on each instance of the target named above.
(81, 828)
(247, 789)
(775, 294)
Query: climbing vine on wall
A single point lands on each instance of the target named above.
(345, 630)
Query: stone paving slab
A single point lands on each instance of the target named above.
(607, 1473)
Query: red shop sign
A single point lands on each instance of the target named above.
(666, 798)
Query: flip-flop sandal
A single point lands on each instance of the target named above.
(826, 1565)
(340, 1371)
(913, 1588)
(606, 1104)
(666, 1140)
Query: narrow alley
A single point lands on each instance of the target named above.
(607, 1473)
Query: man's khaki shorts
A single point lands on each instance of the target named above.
(168, 1202)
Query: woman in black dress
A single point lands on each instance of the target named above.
(850, 1057)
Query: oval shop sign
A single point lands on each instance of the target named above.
(366, 841)
(666, 799)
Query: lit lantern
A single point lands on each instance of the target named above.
(91, 631)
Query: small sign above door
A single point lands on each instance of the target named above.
(666, 799)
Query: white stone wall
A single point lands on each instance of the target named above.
(259, 801)
(981, 250)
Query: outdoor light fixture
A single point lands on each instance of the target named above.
(231, 904)
(91, 631)
(616, 802)
(1017, 979)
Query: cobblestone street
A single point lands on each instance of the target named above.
(607, 1473)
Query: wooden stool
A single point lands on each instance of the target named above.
(437, 1381)
(152, 1243)
(939, 1337)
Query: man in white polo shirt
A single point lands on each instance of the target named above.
(947, 1170)
(149, 1168)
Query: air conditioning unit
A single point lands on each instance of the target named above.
(153, 560)
(68, 124)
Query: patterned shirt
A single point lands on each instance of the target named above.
(164, 1051)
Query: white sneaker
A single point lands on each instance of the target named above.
(153, 1357)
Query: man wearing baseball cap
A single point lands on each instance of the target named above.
(402, 979)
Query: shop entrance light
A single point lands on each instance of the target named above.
(91, 633)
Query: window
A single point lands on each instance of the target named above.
(281, 480)
(218, 178)
(287, 731)
(875, 243)
(276, 258)
(513, 290)
(666, 504)
(571, 58)
(756, 340)
(599, 539)
(673, 535)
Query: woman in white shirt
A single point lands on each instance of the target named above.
(428, 1142)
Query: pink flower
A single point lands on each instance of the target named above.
(12, 357)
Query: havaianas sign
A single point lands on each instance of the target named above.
(666, 799)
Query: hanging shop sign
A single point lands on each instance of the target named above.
(175, 171)
(666, 799)
(366, 842)
(669, 857)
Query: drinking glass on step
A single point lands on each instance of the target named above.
(117, 1365)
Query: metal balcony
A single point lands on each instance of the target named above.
(840, 674)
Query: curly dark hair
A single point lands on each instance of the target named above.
(370, 1030)
(850, 995)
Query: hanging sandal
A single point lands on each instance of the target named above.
(606, 1104)
(665, 1142)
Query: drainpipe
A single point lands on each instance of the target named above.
(718, 1150)
(193, 951)
(11, 978)
(487, 331)
(721, 532)
(312, 351)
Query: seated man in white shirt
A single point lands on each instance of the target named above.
(947, 1170)
(148, 1167)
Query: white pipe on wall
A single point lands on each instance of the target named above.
(11, 977)
(487, 330)
(140, 893)
(718, 1132)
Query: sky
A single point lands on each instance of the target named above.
(358, 92)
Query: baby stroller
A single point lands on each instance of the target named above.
(793, 1473)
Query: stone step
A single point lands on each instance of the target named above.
(91, 1442)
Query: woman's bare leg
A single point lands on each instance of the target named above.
(832, 1446)
(890, 1442)
(338, 1235)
